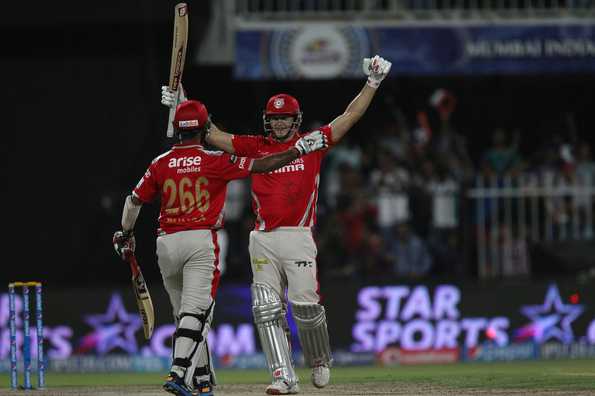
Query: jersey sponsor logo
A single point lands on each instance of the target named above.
(296, 165)
(189, 169)
(184, 161)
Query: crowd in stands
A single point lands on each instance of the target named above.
(395, 206)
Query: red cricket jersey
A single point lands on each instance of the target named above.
(192, 183)
(286, 197)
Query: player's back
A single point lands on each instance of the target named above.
(192, 183)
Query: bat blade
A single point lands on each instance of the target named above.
(178, 57)
(143, 298)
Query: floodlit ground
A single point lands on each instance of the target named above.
(526, 378)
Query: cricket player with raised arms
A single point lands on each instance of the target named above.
(191, 183)
(282, 249)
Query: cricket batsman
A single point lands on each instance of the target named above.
(192, 183)
(282, 249)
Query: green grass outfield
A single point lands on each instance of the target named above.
(565, 375)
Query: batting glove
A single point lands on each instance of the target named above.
(124, 244)
(311, 142)
(168, 97)
(376, 69)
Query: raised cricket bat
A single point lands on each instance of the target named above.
(143, 298)
(178, 56)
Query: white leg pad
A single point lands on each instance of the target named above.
(269, 317)
(313, 332)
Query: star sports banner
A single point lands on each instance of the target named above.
(325, 51)
(100, 330)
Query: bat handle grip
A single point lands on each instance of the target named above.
(133, 265)
(170, 126)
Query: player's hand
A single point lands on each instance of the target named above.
(376, 69)
(124, 244)
(311, 142)
(168, 97)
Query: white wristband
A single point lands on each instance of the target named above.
(129, 214)
(373, 83)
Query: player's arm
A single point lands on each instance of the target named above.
(124, 242)
(376, 68)
(130, 213)
(274, 161)
(145, 191)
(306, 144)
(222, 140)
(214, 136)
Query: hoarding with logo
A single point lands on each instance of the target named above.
(408, 323)
(334, 50)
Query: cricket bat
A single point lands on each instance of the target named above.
(143, 298)
(178, 56)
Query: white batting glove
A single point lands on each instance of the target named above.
(376, 69)
(311, 142)
(168, 97)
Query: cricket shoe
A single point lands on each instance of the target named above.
(321, 376)
(175, 385)
(204, 389)
(281, 387)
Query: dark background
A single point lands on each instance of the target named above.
(82, 120)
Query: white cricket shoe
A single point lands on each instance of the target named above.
(321, 375)
(280, 387)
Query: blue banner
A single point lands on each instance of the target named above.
(319, 51)
(312, 51)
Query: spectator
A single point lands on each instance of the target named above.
(443, 238)
(585, 178)
(349, 154)
(585, 166)
(395, 139)
(515, 253)
(389, 184)
(344, 239)
(407, 254)
(449, 146)
(501, 159)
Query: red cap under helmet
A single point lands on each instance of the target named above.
(191, 114)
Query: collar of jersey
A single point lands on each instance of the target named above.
(180, 146)
(272, 140)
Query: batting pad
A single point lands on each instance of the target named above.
(269, 316)
(202, 359)
(313, 333)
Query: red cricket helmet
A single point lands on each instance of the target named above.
(282, 104)
(191, 114)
